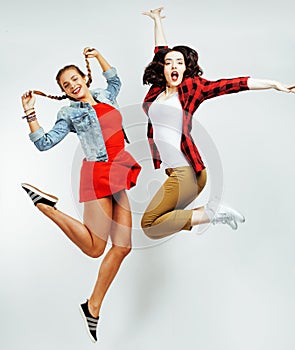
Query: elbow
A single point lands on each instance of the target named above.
(42, 146)
(119, 84)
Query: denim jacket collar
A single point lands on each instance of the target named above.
(81, 104)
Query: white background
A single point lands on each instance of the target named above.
(220, 290)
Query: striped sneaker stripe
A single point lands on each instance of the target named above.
(90, 321)
(37, 196)
(37, 199)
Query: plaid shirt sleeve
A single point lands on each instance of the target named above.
(158, 48)
(222, 86)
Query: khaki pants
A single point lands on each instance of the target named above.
(165, 214)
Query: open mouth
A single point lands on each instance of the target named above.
(174, 75)
(76, 90)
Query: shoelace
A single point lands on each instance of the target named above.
(223, 218)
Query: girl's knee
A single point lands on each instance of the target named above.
(121, 250)
(95, 252)
(202, 180)
(146, 221)
(150, 232)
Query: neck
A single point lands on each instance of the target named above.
(89, 99)
(170, 90)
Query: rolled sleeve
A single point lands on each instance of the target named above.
(158, 48)
(110, 73)
(114, 83)
(36, 135)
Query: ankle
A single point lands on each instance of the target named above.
(44, 208)
(199, 217)
(93, 308)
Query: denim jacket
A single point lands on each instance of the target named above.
(80, 118)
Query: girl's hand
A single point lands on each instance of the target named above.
(154, 14)
(282, 87)
(90, 52)
(28, 100)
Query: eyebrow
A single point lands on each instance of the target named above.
(65, 82)
(177, 59)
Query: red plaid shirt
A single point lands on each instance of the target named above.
(191, 93)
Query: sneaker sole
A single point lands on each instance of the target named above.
(238, 216)
(86, 324)
(47, 196)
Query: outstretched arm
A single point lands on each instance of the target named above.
(263, 84)
(155, 15)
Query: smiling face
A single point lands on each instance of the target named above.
(174, 68)
(73, 84)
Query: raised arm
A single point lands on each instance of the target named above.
(263, 84)
(155, 15)
(109, 72)
(93, 53)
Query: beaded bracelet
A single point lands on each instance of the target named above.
(28, 115)
(31, 118)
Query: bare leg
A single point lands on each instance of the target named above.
(200, 216)
(121, 246)
(80, 234)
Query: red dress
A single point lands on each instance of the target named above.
(101, 179)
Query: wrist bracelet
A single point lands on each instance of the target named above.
(29, 120)
(28, 115)
(28, 109)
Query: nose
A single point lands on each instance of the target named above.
(72, 84)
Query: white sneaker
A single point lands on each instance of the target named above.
(228, 216)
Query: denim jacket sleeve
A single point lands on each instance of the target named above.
(44, 141)
(114, 83)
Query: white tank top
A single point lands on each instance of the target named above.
(166, 118)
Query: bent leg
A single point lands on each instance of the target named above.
(165, 215)
(121, 246)
(84, 235)
(199, 215)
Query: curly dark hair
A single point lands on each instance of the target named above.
(154, 72)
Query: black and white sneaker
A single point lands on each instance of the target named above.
(38, 196)
(90, 321)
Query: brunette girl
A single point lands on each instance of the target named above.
(177, 91)
(107, 171)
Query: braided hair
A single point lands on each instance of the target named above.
(60, 72)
